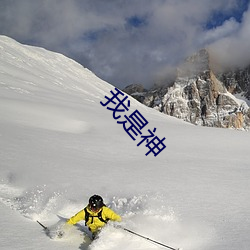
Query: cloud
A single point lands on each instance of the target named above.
(233, 49)
(125, 42)
(228, 28)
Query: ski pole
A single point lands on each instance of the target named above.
(45, 228)
(146, 238)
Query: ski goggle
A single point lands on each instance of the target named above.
(94, 208)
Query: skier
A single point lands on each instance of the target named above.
(95, 214)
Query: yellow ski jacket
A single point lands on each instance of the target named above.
(94, 223)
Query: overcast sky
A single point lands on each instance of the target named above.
(131, 41)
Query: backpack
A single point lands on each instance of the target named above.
(88, 216)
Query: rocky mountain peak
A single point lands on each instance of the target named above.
(196, 64)
(200, 96)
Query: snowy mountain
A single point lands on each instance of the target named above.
(237, 81)
(201, 95)
(60, 145)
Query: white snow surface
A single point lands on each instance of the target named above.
(59, 146)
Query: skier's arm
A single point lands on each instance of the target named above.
(77, 217)
(110, 214)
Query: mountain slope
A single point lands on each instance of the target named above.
(59, 145)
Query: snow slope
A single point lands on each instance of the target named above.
(59, 145)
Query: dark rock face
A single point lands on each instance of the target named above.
(201, 97)
(137, 91)
(237, 81)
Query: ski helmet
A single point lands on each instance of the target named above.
(95, 202)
